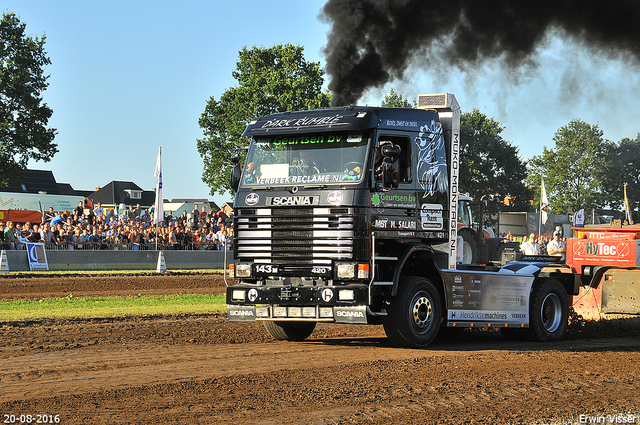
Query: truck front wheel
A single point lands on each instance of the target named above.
(290, 331)
(415, 313)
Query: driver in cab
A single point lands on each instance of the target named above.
(306, 165)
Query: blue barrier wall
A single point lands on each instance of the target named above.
(121, 260)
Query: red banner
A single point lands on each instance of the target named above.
(622, 252)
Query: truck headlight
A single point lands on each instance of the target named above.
(295, 311)
(346, 270)
(326, 312)
(346, 295)
(238, 295)
(243, 270)
(352, 270)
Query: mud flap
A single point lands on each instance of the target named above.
(241, 313)
(351, 315)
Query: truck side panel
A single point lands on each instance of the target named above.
(485, 298)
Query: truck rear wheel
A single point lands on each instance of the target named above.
(548, 313)
(414, 314)
(290, 331)
(549, 310)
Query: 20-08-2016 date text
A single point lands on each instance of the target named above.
(30, 419)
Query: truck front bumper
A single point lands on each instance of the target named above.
(339, 304)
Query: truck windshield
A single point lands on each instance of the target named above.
(319, 158)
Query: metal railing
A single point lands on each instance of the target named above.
(117, 246)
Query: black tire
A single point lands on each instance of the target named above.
(495, 247)
(548, 310)
(289, 331)
(548, 314)
(415, 313)
(469, 248)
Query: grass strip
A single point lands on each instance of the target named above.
(100, 307)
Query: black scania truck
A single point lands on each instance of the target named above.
(349, 216)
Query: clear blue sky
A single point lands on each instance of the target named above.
(130, 76)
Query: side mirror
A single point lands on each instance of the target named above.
(389, 150)
(390, 172)
(390, 168)
(236, 172)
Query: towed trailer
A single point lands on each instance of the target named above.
(607, 258)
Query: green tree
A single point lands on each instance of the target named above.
(575, 170)
(275, 79)
(490, 167)
(395, 100)
(623, 167)
(23, 115)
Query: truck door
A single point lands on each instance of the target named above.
(395, 210)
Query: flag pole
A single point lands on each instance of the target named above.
(540, 209)
(540, 221)
(159, 211)
(544, 202)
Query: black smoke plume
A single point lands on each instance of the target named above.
(372, 42)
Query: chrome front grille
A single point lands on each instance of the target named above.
(294, 235)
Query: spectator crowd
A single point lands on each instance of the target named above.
(131, 228)
(535, 245)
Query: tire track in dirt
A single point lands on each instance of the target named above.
(373, 383)
(444, 395)
(79, 371)
(204, 369)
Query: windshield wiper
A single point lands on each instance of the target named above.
(267, 188)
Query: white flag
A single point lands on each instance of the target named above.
(158, 214)
(544, 203)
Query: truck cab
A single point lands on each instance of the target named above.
(349, 216)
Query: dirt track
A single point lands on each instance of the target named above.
(203, 369)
